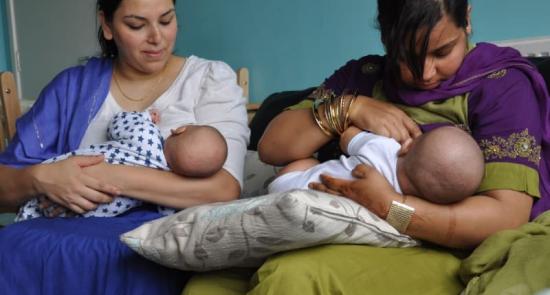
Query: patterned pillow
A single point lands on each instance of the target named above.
(243, 233)
(257, 176)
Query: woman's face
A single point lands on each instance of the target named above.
(446, 51)
(144, 32)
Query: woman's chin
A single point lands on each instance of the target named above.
(428, 86)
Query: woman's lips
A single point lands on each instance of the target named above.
(430, 85)
(153, 53)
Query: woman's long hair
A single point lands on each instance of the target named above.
(405, 26)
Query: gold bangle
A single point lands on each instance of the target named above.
(320, 124)
(348, 111)
(329, 116)
(333, 116)
(342, 114)
(400, 216)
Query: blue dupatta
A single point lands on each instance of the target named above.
(60, 116)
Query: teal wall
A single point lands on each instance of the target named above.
(5, 60)
(293, 44)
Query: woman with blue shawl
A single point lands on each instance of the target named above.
(430, 77)
(137, 72)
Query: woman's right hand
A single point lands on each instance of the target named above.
(64, 183)
(384, 119)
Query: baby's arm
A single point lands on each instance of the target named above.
(347, 136)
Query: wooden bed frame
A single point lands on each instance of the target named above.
(10, 108)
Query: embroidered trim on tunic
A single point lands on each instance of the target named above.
(497, 74)
(370, 68)
(517, 145)
(322, 93)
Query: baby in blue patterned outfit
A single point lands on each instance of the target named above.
(134, 139)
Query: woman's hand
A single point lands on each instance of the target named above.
(385, 119)
(65, 184)
(370, 189)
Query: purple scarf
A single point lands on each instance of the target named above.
(60, 116)
(484, 59)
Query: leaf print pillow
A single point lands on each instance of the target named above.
(243, 233)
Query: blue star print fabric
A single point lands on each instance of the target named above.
(133, 140)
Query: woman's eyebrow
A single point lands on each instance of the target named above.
(144, 19)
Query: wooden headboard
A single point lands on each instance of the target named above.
(10, 107)
(243, 79)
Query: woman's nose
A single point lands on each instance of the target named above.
(429, 69)
(154, 35)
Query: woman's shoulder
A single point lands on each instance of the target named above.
(93, 71)
(208, 71)
(94, 67)
(206, 66)
(504, 81)
(502, 90)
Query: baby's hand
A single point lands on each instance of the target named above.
(155, 115)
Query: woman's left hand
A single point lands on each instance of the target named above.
(369, 189)
(98, 171)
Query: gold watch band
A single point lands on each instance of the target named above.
(400, 216)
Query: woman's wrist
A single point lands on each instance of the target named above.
(399, 214)
(29, 176)
(354, 109)
(332, 114)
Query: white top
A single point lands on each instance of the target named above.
(367, 148)
(204, 92)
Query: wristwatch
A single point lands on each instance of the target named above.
(400, 216)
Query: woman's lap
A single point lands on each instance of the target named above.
(80, 256)
(341, 269)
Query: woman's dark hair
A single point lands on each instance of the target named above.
(108, 7)
(404, 22)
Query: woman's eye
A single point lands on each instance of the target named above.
(166, 22)
(443, 52)
(134, 27)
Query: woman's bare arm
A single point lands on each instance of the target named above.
(294, 134)
(460, 225)
(15, 188)
(62, 182)
(291, 135)
(467, 223)
(167, 188)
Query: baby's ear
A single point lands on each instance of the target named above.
(178, 130)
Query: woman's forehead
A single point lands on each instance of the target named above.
(145, 8)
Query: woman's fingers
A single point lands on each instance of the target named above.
(361, 171)
(97, 191)
(342, 186)
(85, 161)
(412, 127)
(81, 205)
(384, 119)
(323, 188)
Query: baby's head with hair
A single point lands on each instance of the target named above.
(443, 166)
(195, 151)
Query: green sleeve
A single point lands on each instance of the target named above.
(511, 176)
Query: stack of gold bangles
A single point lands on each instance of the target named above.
(336, 114)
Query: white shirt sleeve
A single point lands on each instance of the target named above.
(370, 145)
(222, 106)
